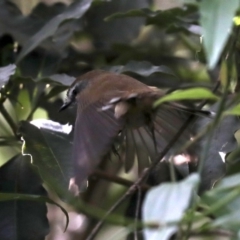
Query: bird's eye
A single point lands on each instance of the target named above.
(74, 92)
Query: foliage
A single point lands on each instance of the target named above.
(191, 49)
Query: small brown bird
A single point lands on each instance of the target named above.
(114, 113)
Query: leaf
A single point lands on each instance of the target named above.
(28, 199)
(216, 18)
(234, 111)
(228, 182)
(230, 221)
(51, 154)
(5, 73)
(165, 205)
(54, 80)
(224, 198)
(144, 12)
(174, 17)
(189, 94)
(61, 79)
(105, 34)
(26, 219)
(76, 10)
(143, 68)
(51, 125)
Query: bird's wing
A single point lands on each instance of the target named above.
(94, 134)
(146, 141)
(97, 129)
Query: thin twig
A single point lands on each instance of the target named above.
(122, 181)
(138, 205)
(218, 232)
(131, 190)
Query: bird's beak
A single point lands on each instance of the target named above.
(65, 105)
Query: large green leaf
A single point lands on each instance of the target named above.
(189, 94)
(165, 205)
(50, 149)
(216, 21)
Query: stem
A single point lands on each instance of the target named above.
(9, 120)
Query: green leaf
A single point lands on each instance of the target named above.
(51, 154)
(216, 21)
(224, 198)
(234, 111)
(163, 19)
(165, 205)
(230, 221)
(189, 94)
(76, 10)
(228, 182)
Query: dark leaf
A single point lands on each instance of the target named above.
(222, 143)
(76, 10)
(163, 19)
(119, 31)
(21, 219)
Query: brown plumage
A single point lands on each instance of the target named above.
(115, 113)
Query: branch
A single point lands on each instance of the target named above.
(116, 179)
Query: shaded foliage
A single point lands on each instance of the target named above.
(43, 52)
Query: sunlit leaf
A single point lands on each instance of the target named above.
(143, 68)
(216, 21)
(165, 205)
(189, 94)
(5, 73)
(51, 125)
(234, 111)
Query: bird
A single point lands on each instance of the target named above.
(115, 115)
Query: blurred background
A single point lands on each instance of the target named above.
(52, 42)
